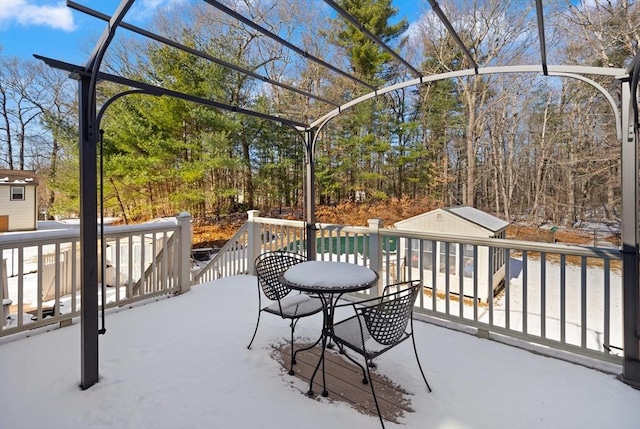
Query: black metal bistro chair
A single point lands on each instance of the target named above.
(379, 325)
(269, 267)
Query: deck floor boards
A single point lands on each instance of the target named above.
(344, 382)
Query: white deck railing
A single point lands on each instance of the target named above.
(40, 282)
(563, 297)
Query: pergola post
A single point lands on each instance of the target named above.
(630, 238)
(309, 195)
(88, 138)
(88, 234)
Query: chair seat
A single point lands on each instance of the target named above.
(295, 306)
(348, 333)
(379, 324)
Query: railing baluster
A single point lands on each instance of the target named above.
(74, 277)
(20, 286)
(607, 303)
(420, 268)
(583, 301)
(434, 276)
(563, 299)
(165, 260)
(461, 280)
(507, 291)
(475, 283)
(490, 283)
(525, 293)
(56, 303)
(387, 260)
(40, 279)
(116, 268)
(447, 279)
(348, 249)
(143, 245)
(543, 295)
(154, 265)
(130, 258)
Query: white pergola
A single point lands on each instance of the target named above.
(626, 122)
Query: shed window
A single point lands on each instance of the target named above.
(469, 263)
(427, 254)
(17, 193)
(449, 256)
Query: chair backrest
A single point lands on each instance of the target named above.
(269, 267)
(387, 321)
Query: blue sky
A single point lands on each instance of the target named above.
(49, 28)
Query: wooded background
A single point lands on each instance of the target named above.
(521, 146)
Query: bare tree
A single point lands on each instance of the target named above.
(20, 114)
(491, 29)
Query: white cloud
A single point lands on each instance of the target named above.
(146, 8)
(31, 12)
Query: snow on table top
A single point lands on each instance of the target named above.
(329, 275)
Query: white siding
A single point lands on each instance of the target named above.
(22, 214)
(443, 222)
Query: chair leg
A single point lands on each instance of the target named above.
(415, 350)
(258, 322)
(306, 348)
(255, 332)
(373, 392)
(293, 355)
(365, 378)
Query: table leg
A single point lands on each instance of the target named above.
(325, 393)
(325, 324)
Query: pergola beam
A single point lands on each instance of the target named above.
(108, 33)
(156, 90)
(574, 72)
(543, 44)
(445, 21)
(164, 40)
(284, 42)
(375, 39)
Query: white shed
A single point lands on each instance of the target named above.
(462, 221)
(18, 200)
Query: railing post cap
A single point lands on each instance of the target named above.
(376, 222)
(184, 214)
(253, 213)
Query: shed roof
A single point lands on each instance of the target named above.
(478, 217)
(470, 214)
(18, 177)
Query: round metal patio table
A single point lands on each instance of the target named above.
(329, 280)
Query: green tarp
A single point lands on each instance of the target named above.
(342, 245)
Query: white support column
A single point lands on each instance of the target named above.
(375, 251)
(254, 239)
(184, 247)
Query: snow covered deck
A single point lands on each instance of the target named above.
(182, 362)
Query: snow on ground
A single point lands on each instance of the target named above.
(182, 362)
